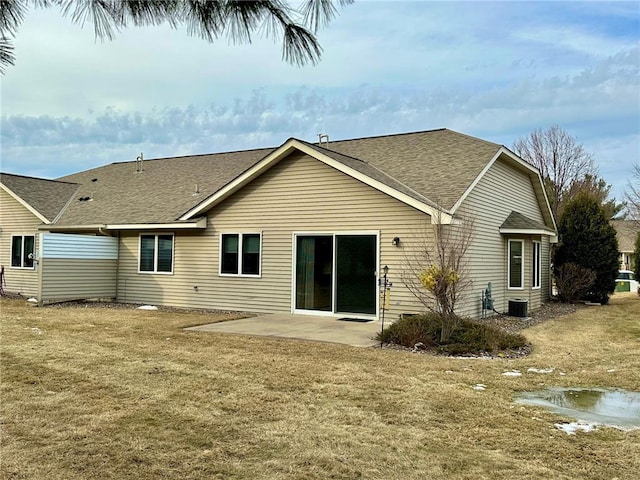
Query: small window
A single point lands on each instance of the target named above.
(516, 270)
(22, 251)
(535, 265)
(156, 253)
(240, 254)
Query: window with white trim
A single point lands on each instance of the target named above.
(535, 265)
(22, 251)
(515, 264)
(240, 254)
(156, 253)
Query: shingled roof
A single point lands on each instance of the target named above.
(439, 164)
(46, 197)
(517, 221)
(435, 167)
(626, 232)
(160, 193)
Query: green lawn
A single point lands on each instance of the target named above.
(99, 393)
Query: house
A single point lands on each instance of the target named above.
(626, 232)
(303, 228)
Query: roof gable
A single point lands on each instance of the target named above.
(46, 199)
(353, 167)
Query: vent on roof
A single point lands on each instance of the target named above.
(139, 160)
(323, 138)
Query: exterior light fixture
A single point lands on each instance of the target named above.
(396, 241)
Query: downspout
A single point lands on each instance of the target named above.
(117, 265)
(38, 263)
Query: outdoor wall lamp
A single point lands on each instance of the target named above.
(396, 241)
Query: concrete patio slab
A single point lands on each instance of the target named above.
(304, 327)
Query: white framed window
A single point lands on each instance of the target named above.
(23, 251)
(535, 265)
(241, 254)
(515, 268)
(155, 253)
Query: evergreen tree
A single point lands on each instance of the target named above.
(237, 20)
(588, 240)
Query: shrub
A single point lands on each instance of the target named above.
(573, 282)
(468, 337)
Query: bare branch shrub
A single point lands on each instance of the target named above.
(561, 160)
(632, 195)
(435, 272)
(573, 281)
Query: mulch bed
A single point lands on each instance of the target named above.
(548, 311)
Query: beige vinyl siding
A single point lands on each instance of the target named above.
(15, 219)
(77, 278)
(298, 195)
(502, 190)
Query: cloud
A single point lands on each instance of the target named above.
(495, 70)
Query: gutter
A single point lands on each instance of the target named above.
(104, 229)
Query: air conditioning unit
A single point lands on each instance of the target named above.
(518, 308)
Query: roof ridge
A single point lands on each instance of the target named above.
(478, 139)
(334, 152)
(192, 155)
(37, 178)
(390, 135)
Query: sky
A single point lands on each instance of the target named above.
(494, 70)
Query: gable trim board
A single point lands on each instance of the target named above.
(538, 185)
(25, 204)
(290, 146)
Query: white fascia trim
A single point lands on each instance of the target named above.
(475, 182)
(24, 204)
(240, 180)
(527, 231)
(55, 228)
(294, 144)
(533, 171)
(200, 223)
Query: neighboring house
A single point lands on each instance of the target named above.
(626, 232)
(305, 228)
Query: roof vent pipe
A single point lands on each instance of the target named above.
(139, 159)
(321, 137)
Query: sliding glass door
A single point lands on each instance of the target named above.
(336, 273)
(314, 273)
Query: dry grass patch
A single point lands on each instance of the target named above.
(99, 393)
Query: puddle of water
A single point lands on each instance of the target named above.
(614, 408)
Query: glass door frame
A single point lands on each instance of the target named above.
(333, 234)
